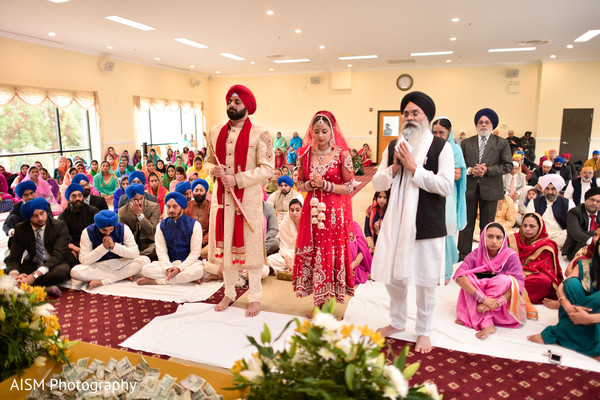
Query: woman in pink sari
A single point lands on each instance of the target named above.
(44, 189)
(491, 281)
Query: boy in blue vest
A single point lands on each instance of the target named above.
(178, 242)
(108, 252)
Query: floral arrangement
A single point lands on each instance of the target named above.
(328, 360)
(29, 330)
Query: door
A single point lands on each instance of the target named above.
(575, 133)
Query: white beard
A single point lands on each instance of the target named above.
(484, 132)
(412, 131)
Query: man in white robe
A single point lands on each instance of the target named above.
(411, 244)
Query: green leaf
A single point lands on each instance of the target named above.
(411, 370)
(400, 361)
(265, 336)
(350, 368)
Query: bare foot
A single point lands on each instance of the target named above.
(551, 304)
(458, 322)
(537, 338)
(94, 283)
(485, 332)
(597, 358)
(146, 281)
(388, 330)
(226, 302)
(253, 309)
(212, 277)
(199, 281)
(132, 278)
(423, 344)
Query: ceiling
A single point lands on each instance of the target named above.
(386, 28)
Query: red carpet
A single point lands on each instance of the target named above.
(461, 375)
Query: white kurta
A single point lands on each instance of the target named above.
(259, 167)
(398, 255)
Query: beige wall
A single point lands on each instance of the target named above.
(27, 64)
(287, 102)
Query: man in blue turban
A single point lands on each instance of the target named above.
(199, 209)
(141, 216)
(488, 157)
(26, 191)
(178, 242)
(185, 188)
(39, 250)
(140, 178)
(280, 199)
(78, 215)
(108, 252)
(88, 197)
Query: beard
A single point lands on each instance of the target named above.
(199, 198)
(86, 192)
(175, 215)
(551, 197)
(285, 192)
(236, 115)
(77, 204)
(412, 130)
(484, 132)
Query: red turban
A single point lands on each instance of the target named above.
(245, 95)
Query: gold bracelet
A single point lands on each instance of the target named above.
(561, 298)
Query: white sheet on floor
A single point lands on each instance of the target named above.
(186, 292)
(197, 333)
(370, 305)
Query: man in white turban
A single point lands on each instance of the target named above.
(552, 207)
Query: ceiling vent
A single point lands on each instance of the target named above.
(533, 42)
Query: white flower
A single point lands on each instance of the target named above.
(395, 376)
(326, 321)
(326, 354)
(390, 392)
(254, 369)
(345, 345)
(40, 361)
(331, 336)
(431, 390)
(45, 310)
(7, 284)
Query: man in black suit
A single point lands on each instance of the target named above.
(26, 191)
(488, 158)
(88, 198)
(582, 221)
(77, 216)
(39, 249)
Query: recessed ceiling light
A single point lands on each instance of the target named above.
(321, 47)
(232, 56)
(452, 39)
(298, 31)
(431, 53)
(552, 56)
(592, 33)
(192, 66)
(448, 61)
(252, 62)
(271, 69)
(51, 34)
(157, 58)
(270, 12)
(455, 19)
(356, 57)
(511, 49)
(569, 46)
(190, 42)
(290, 61)
(59, 1)
(217, 72)
(130, 23)
(349, 65)
(109, 47)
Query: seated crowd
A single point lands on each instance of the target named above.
(147, 219)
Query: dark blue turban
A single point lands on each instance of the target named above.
(178, 197)
(106, 218)
(133, 190)
(183, 187)
(78, 178)
(27, 209)
(137, 175)
(488, 112)
(285, 179)
(199, 182)
(73, 187)
(23, 187)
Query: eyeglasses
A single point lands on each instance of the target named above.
(414, 113)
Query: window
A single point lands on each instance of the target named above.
(42, 132)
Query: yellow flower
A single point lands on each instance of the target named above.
(374, 336)
(40, 293)
(303, 329)
(51, 323)
(347, 330)
(40, 361)
(237, 367)
(1, 272)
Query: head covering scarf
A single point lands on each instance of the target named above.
(62, 170)
(106, 218)
(27, 209)
(137, 175)
(73, 187)
(559, 160)
(359, 245)
(190, 158)
(240, 160)
(6, 173)
(183, 187)
(161, 170)
(547, 163)
(285, 179)
(421, 100)
(133, 190)
(554, 179)
(245, 95)
(337, 138)
(596, 152)
(592, 192)
(201, 182)
(372, 211)
(566, 156)
(43, 188)
(166, 179)
(179, 199)
(23, 187)
(460, 187)
(78, 178)
(488, 112)
(123, 177)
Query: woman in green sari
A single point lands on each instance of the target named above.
(578, 325)
(279, 143)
